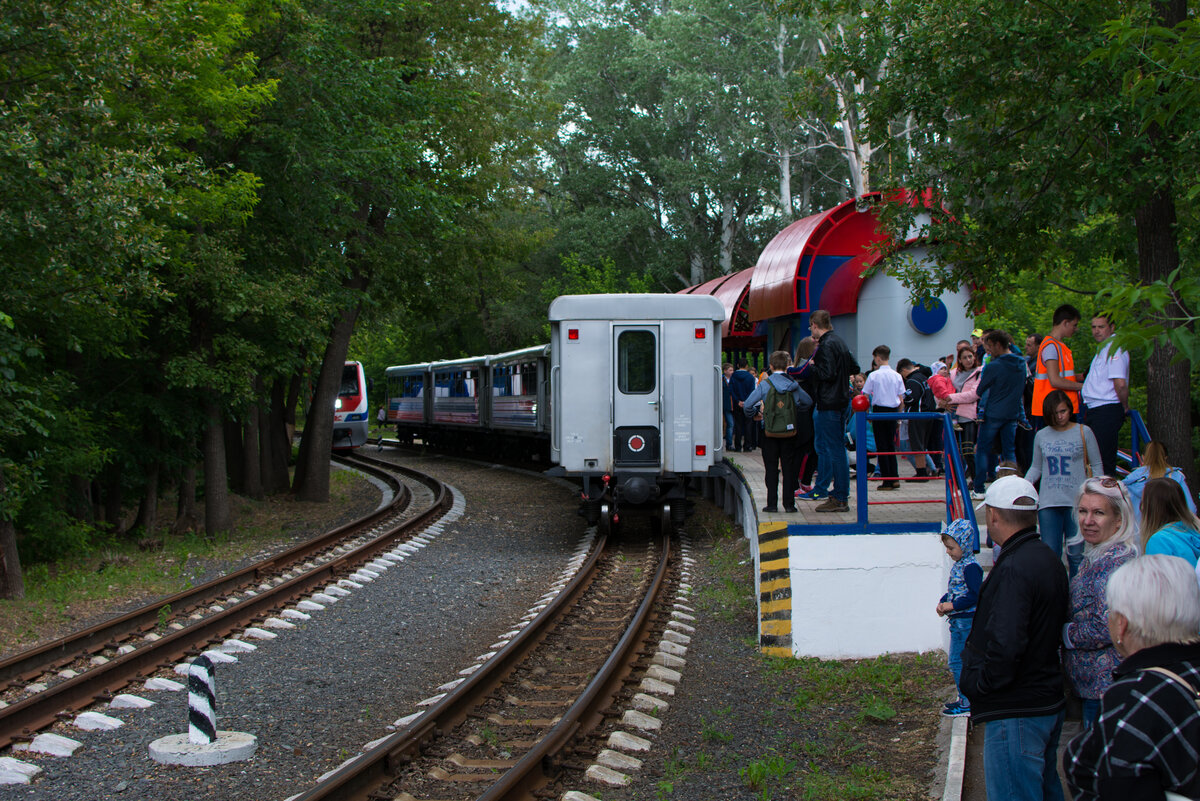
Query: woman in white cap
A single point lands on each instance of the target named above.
(1144, 744)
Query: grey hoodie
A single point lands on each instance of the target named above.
(782, 383)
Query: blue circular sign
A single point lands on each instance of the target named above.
(928, 320)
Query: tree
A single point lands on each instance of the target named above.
(1038, 151)
(676, 150)
(388, 140)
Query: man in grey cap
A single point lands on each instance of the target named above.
(1010, 667)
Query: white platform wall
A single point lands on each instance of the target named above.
(882, 319)
(863, 595)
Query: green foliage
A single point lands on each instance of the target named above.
(1056, 144)
(194, 191)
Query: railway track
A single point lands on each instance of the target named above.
(514, 725)
(89, 666)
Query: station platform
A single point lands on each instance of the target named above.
(915, 501)
(837, 585)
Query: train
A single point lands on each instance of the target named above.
(625, 399)
(351, 413)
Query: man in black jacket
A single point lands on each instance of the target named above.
(831, 367)
(1010, 668)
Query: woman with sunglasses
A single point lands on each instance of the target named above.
(1062, 454)
(1168, 526)
(1110, 533)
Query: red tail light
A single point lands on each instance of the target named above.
(573, 334)
(701, 450)
(701, 333)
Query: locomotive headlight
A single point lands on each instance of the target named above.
(337, 404)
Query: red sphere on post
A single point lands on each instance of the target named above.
(860, 403)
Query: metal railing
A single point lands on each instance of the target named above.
(958, 492)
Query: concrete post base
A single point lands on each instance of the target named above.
(230, 746)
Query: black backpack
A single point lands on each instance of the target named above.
(927, 402)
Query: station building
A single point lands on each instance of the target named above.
(855, 584)
(819, 262)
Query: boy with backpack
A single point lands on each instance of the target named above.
(918, 397)
(787, 426)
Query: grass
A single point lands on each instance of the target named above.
(730, 597)
(118, 573)
(819, 730)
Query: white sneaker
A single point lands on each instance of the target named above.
(977, 496)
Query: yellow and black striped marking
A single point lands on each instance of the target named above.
(775, 590)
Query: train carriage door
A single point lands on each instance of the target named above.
(637, 395)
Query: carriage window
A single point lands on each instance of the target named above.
(635, 362)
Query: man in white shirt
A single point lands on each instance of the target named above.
(885, 388)
(1105, 393)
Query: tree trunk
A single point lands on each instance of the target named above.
(1168, 380)
(311, 482)
(12, 579)
(147, 517)
(79, 499)
(185, 513)
(251, 457)
(234, 461)
(114, 500)
(218, 516)
(278, 449)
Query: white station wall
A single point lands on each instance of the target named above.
(856, 596)
(882, 319)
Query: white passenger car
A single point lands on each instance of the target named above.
(636, 397)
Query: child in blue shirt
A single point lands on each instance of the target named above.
(958, 604)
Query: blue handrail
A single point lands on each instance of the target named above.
(953, 464)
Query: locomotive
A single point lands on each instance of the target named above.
(626, 399)
(350, 411)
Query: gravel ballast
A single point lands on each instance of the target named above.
(315, 695)
(738, 726)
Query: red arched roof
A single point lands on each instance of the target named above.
(780, 285)
(731, 290)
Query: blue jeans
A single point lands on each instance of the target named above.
(1056, 524)
(728, 431)
(832, 462)
(988, 431)
(1074, 558)
(960, 629)
(1091, 711)
(1020, 758)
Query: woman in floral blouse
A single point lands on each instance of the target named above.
(1110, 535)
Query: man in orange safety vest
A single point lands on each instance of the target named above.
(1055, 366)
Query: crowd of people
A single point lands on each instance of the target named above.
(1094, 578)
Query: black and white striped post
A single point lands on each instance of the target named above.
(202, 702)
(203, 745)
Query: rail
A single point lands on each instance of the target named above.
(21, 719)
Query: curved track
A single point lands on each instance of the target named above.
(205, 615)
(505, 730)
